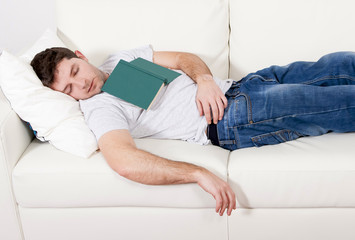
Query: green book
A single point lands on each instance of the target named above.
(138, 82)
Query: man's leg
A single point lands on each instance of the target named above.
(332, 69)
(265, 110)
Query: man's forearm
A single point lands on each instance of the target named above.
(121, 153)
(189, 63)
(194, 67)
(144, 167)
(150, 169)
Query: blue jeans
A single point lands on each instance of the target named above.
(279, 104)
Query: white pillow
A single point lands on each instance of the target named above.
(47, 40)
(56, 117)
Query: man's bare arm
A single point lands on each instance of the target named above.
(209, 96)
(126, 159)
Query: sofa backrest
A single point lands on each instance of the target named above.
(277, 32)
(234, 37)
(99, 28)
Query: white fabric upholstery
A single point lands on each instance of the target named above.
(14, 138)
(123, 223)
(15, 135)
(79, 182)
(292, 224)
(199, 26)
(305, 173)
(278, 32)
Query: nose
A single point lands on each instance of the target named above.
(81, 83)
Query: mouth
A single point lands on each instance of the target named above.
(91, 85)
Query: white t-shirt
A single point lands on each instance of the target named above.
(174, 115)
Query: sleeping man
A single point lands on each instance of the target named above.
(270, 106)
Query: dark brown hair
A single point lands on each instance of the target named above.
(45, 63)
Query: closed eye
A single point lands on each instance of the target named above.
(76, 71)
(68, 89)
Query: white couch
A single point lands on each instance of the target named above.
(302, 189)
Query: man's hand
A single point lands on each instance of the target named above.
(220, 190)
(210, 100)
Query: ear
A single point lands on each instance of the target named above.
(80, 55)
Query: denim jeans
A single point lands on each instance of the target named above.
(279, 104)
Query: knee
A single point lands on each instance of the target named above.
(348, 58)
(344, 58)
(340, 62)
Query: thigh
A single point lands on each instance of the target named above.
(332, 69)
(273, 101)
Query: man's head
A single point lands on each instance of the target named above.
(68, 72)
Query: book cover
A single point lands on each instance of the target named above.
(157, 69)
(138, 82)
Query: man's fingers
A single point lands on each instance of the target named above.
(220, 109)
(217, 106)
(207, 111)
(225, 203)
(220, 190)
(214, 108)
(232, 202)
(199, 107)
(218, 203)
(225, 101)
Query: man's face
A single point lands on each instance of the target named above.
(77, 78)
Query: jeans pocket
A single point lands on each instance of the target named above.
(275, 137)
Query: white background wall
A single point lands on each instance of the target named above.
(23, 21)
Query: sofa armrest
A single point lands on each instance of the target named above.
(14, 139)
(15, 136)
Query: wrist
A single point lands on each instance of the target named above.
(198, 174)
(203, 78)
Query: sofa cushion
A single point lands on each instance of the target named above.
(199, 26)
(277, 32)
(308, 172)
(47, 177)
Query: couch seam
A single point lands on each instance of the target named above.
(229, 39)
(253, 171)
(296, 171)
(228, 181)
